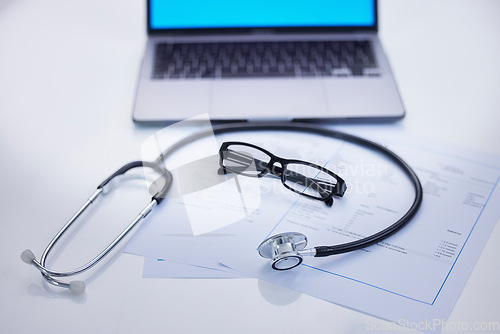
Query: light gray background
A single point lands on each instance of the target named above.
(68, 71)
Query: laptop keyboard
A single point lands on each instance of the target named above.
(264, 59)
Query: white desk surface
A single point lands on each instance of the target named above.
(68, 72)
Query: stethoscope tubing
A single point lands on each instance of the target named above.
(322, 251)
(51, 275)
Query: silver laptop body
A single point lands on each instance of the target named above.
(166, 94)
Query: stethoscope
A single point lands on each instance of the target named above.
(285, 250)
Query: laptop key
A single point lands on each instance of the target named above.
(208, 75)
(356, 71)
(228, 75)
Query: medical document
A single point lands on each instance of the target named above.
(414, 275)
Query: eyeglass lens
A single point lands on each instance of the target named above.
(245, 160)
(309, 180)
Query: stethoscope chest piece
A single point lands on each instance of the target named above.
(283, 250)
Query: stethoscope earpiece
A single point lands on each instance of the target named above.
(285, 250)
(159, 188)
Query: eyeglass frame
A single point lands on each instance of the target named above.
(339, 189)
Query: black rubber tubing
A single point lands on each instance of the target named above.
(314, 129)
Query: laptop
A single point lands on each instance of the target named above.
(264, 60)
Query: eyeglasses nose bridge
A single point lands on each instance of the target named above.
(276, 167)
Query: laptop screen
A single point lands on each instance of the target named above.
(216, 14)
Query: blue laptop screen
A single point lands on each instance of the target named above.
(205, 14)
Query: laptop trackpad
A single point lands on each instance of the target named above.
(268, 99)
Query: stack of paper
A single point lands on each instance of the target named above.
(211, 225)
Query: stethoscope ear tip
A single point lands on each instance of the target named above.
(77, 287)
(28, 257)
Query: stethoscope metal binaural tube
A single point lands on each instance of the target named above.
(78, 287)
(284, 250)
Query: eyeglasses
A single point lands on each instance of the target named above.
(299, 176)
